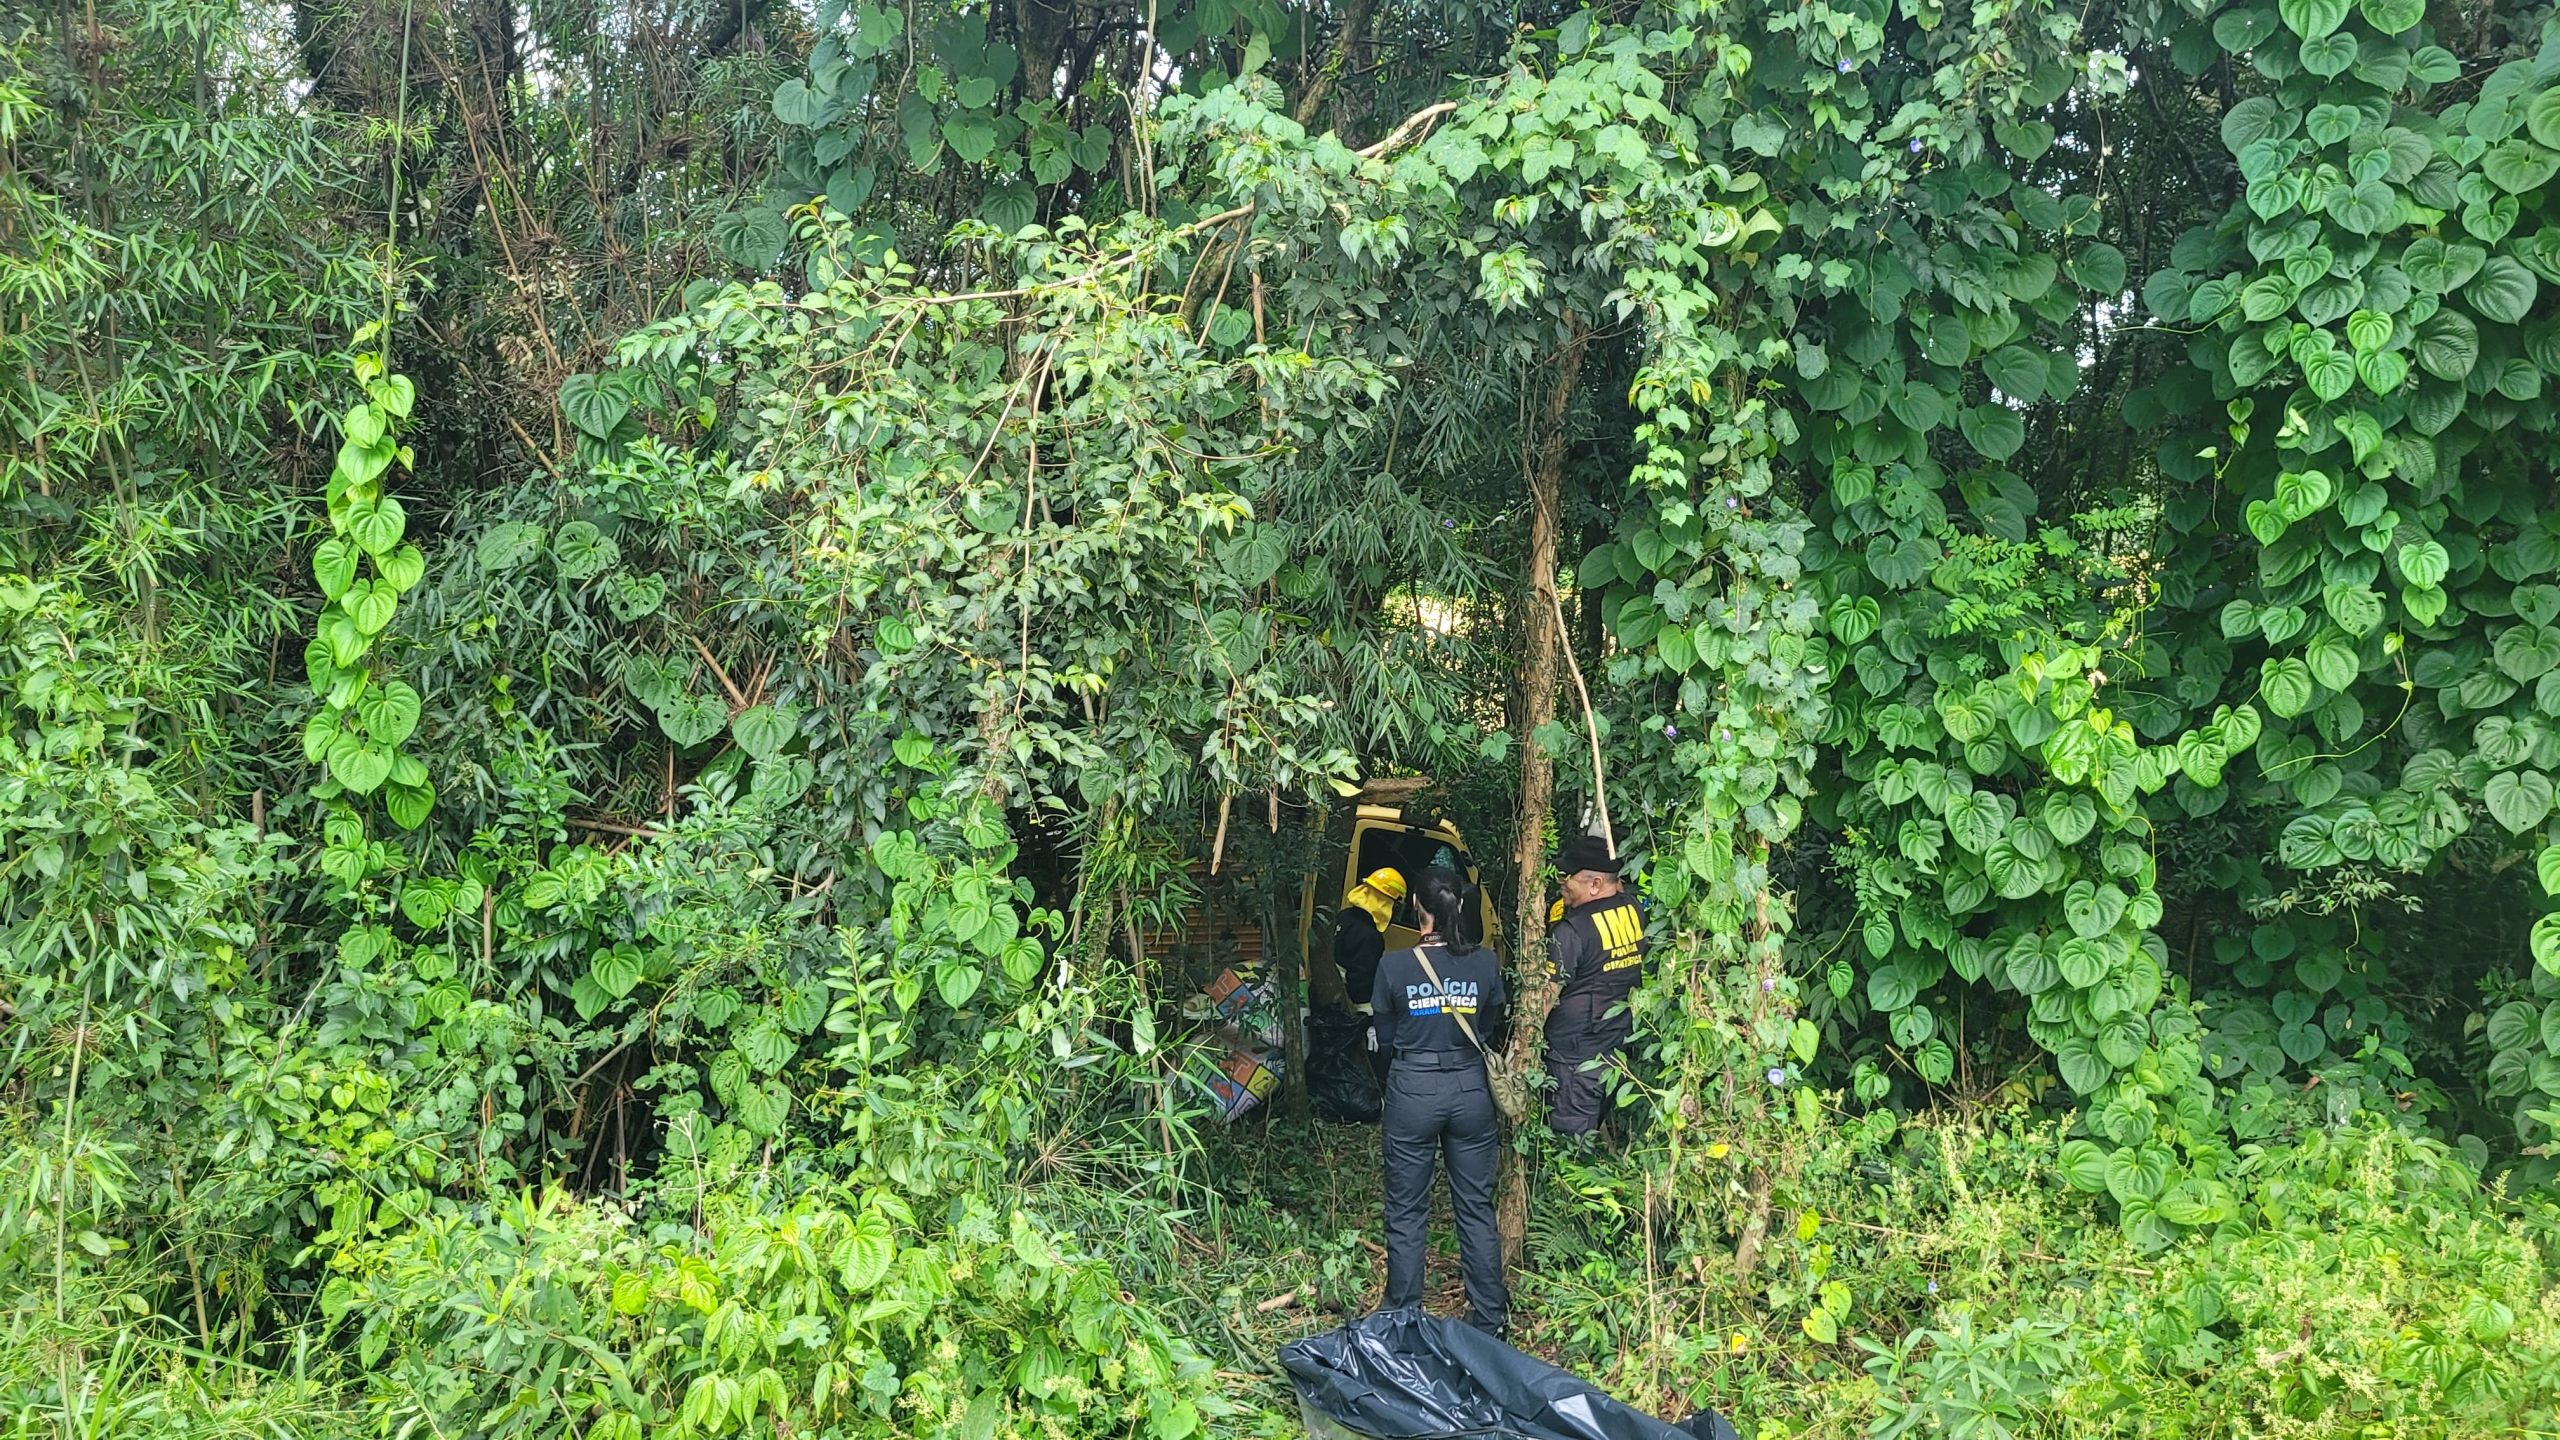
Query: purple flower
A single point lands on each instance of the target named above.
(1670, 732)
(1777, 1074)
(1768, 984)
(1915, 147)
(1448, 524)
(1844, 67)
(1732, 503)
(1933, 1287)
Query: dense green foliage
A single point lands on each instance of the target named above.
(624, 631)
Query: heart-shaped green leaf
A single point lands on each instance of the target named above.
(2286, 685)
(2092, 910)
(2519, 166)
(957, 981)
(689, 720)
(2069, 815)
(652, 681)
(2383, 371)
(2236, 729)
(798, 103)
(593, 405)
(509, 544)
(365, 425)
(2527, 652)
(2083, 961)
(2448, 345)
(346, 643)
(2330, 373)
(2303, 493)
(2425, 603)
(394, 395)
(1994, 430)
(2503, 291)
(390, 712)
(333, 564)
(752, 238)
(358, 764)
(2364, 208)
(2333, 661)
(634, 597)
(582, 551)
(2438, 267)
(2019, 372)
(402, 568)
(2330, 123)
(2267, 297)
(377, 525)
(2330, 55)
(2518, 799)
(2356, 608)
(361, 464)
(371, 604)
(2312, 19)
(409, 805)
(616, 971)
(2260, 117)
(972, 137)
(761, 1109)
(2542, 118)
(2424, 563)
(762, 730)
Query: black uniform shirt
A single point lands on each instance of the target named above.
(1598, 949)
(1356, 948)
(1414, 1016)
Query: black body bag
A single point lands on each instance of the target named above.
(1404, 1375)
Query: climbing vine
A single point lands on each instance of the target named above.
(365, 565)
(2373, 562)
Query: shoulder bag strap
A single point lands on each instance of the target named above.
(1419, 953)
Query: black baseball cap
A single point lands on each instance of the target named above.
(1586, 852)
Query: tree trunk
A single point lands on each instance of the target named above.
(1543, 644)
(1287, 969)
(1355, 28)
(1042, 28)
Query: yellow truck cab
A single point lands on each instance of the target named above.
(1374, 832)
(1255, 1026)
(1382, 836)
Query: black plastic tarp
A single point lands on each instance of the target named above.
(1404, 1375)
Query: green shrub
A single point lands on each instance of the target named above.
(827, 1313)
(1935, 1277)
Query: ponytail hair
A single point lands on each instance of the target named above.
(1454, 904)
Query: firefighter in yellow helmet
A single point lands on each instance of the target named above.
(1360, 930)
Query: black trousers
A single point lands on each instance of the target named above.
(1442, 1107)
(1581, 1030)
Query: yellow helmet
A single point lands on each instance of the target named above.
(1377, 893)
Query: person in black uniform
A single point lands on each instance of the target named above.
(1438, 1007)
(1360, 930)
(1597, 951)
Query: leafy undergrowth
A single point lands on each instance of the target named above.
(1945, 1278)
(2368, 1283)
